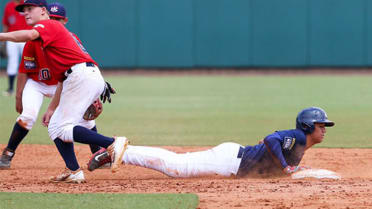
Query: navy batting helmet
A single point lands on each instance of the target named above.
(308, 117)
(56, 10)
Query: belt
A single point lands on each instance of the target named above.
(241, 152)
(88, 64)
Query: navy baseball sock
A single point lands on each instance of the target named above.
(11, 82)
(66, 149)
(16, 137)
(93, 147)
(86, 136)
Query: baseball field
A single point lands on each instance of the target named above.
(194, 111)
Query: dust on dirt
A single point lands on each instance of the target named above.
(33, 165)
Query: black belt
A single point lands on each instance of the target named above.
(241, 152)
(88, 64)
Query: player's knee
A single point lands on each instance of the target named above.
(26, 122)
(89, 124)
(65, 133)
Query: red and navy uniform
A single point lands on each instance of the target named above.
(13, 19)
(34, 64)
(288, 147)
(62, 49)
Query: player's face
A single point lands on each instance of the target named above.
(32, 14)
(318, 133)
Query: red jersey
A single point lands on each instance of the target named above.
(34, 64)
(13, 19)
(62, 49)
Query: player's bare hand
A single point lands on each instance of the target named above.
(294, 169)
(106, 94)
(19, 105)
(46, 117)
(261, 141)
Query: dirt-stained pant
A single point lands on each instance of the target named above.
(221, 160)
(32, 98)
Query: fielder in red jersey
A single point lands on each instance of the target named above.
(61, 48)
(35, 81)
(80, 86)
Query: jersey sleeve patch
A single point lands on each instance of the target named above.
(29, 58)
(30, 65)
(39, 25)
(288, 143)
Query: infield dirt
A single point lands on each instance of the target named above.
(34, 164)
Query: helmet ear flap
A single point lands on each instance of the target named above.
(308, 128)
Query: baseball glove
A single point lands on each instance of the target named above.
(93, 111)
(106, 94)
(3, 53)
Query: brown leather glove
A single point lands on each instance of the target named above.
(93, 111)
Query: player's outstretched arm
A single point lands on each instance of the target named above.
(275, 149)
(20, 35)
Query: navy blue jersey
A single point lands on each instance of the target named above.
(280, 149)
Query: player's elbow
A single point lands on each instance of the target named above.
(266, 140)
(32, 34)
(25, 35)
(271, 142)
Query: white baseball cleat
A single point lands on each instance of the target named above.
(116, 151)
(69, 176)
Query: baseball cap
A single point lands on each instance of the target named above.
(56, 10)
(36, 3)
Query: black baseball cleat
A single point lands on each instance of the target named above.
(6, 158)
(100, 159)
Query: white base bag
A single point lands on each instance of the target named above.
(316, 173)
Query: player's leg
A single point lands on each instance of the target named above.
(221, 160)
(93, 147)
(12, 66)
(83, 86)
(14, 51)
(90, 124)
(32, 99)
(80, 89)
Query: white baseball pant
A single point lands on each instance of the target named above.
(80, 89)
(14, 50)
(32, 98)
(221, 160)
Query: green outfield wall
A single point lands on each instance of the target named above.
(223, 33)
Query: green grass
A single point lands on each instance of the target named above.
(208, 110)
(91, 201)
